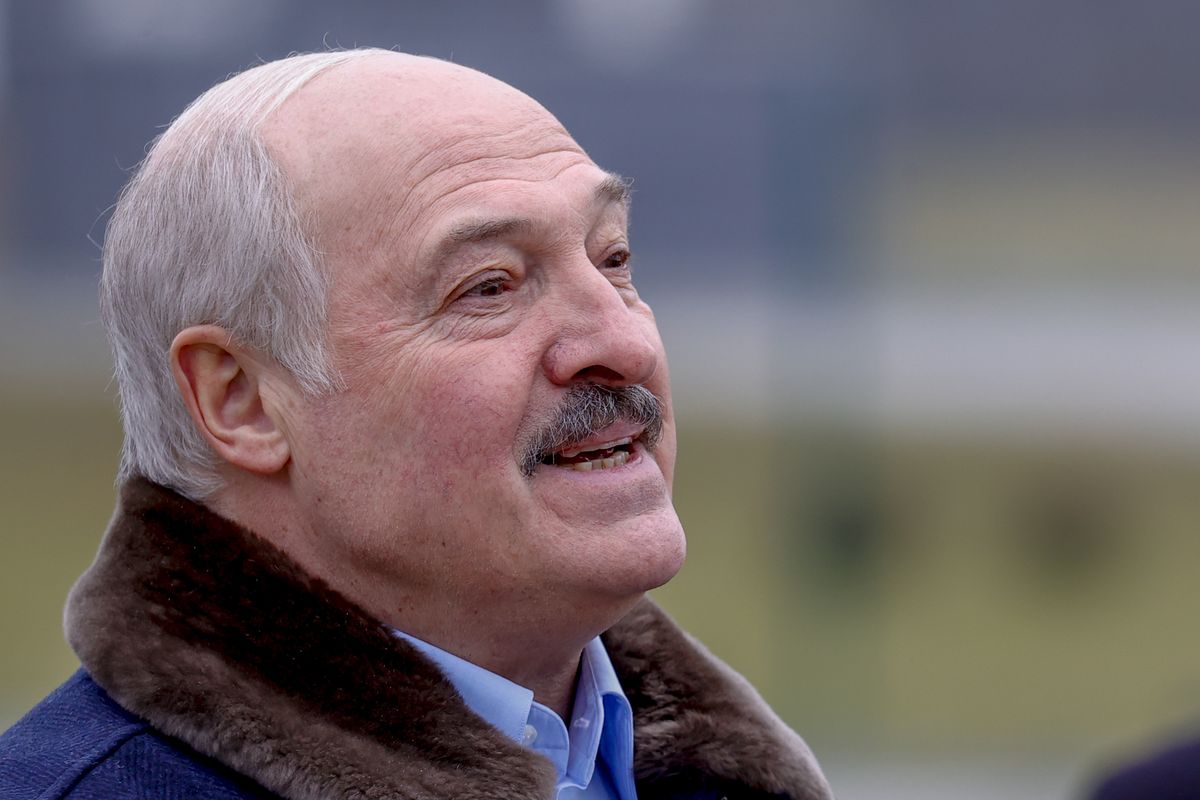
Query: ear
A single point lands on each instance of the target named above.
(222, 385)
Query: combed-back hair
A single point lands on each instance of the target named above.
(207, 232)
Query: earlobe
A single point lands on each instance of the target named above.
(221, 385)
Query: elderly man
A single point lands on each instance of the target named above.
(397, 471)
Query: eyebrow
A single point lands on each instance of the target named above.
(614, 189)
(486, 229)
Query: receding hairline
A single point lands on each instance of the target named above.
(296, 131)
(415, 66)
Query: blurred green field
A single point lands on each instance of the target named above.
(57, 469)
(937, 597)
(923, 596)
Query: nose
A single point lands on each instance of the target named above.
(600, 337)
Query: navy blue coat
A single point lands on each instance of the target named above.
(78, 743)
(1172, 774)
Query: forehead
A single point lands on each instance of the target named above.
(386, 146)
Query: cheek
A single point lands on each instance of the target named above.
(466, 422)
(464, 412)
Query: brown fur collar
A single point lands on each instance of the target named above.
(219, 639)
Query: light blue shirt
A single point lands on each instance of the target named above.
(594, 757)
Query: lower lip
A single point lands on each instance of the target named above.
(635, 488)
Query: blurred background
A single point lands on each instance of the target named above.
(927, 276)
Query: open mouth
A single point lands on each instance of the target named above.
(602, 456)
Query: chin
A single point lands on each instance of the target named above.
(649, 556)
(670, 556)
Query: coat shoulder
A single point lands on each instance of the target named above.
(1171, 774)
(78, 744)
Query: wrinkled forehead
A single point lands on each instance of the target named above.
(386, 138)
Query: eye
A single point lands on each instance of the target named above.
(492, 287)
(618, 260)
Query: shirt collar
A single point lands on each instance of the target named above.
(601, 722)
(498, 700)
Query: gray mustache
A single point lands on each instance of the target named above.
(588, 408)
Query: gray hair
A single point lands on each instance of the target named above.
(207, 233)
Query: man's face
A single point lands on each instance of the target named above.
(480, 273)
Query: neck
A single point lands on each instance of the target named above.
(534, 641)
(546, 662)
(555, 688)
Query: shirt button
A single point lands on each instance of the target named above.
(530, 734)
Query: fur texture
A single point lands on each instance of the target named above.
(219, 639)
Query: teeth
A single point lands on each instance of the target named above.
(605, 446)
(618, 458)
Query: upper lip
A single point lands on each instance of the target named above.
(606, 435)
